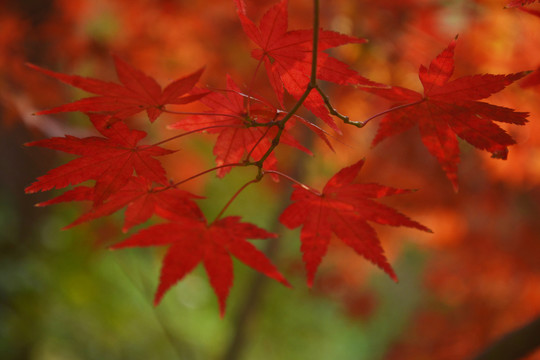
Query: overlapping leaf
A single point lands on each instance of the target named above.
(287, 56)
(137, 92)
(192, 242)
(242, 128)
(450, 108)
(344, 209)
(142, 201)
(109, 160)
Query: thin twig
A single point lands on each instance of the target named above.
(202, 173)
(332, 110)
(362, 123)
(200, 113)
(281, 126)
(304, 186)
(194, 131)
(234, 197)
(315, 47)
(312, 85)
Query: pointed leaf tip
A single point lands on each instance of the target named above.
(136, 92)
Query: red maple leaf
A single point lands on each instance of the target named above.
(142, 201)
(241, 127)
(343, 208)
(138, 92)
(450, 108)
(287, 56)
(517, 3)
(110, 161)
(192, 242)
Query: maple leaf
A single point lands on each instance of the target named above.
(343, 208)
(450, 108)
(142, 201)
(240, 127)
(138, 92)
(517, 3)
(110, 161)
(287, 56)
(193, 241)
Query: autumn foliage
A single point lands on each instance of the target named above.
(323, 93)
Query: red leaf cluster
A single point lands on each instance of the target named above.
(127, 174)
(287, 56)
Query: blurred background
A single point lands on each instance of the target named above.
(63, 295)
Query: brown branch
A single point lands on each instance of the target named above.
(515, 344)
(255, 290)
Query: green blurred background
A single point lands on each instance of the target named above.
(65, 296)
